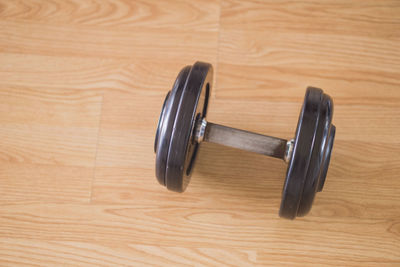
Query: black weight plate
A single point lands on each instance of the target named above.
(192, 107)
(316, 165)
(301, 155)
(166, 123)
(311, 153)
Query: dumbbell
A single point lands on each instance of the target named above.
(182, 127)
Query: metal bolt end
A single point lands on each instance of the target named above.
(288, 150)
(200, 130)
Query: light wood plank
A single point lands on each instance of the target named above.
(51, 73)
(52, 253)
(27, 183)
(357, 17)
(209, 227)
(350, 49)
(48, 130)
(116, 14)
(105, 42)
(49, 126)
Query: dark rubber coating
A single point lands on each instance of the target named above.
(317, 157)
(174, 164)
(166, 123)
(311, 153)
(327, 158)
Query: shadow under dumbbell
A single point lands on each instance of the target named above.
(235, 173)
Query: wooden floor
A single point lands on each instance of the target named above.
(81, 88)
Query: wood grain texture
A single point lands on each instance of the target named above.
(81, 87)
(350, 48)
